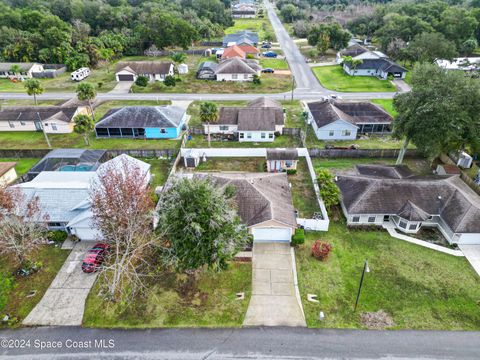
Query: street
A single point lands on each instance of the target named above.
(251, 343)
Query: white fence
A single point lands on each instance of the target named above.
(226, 152)
(314, 224)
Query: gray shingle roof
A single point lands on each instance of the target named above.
(241, 36)
(142, 117)
(6, 66)
(284, 154)
(327, 111)
(353, 50)
(414, 196)
(145, 67)
(234, 66)
(383, 64)
(31, 113)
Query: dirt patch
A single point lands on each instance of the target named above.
(377, 320)
(283, 72)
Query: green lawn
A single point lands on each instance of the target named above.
(253, 164)
(18, 305)
(386, 104)
(36, 140)
(261, 26)
(178, 300)
(334, 78)
(200, 141)
(293, 115)
(303, 194)
(420, 288)
(160, 169)
(23, 164)
(277, 64)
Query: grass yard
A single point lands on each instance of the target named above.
(176, 300)
(36, 140)
(23, 164)
(17, 304)
(252, 164)
(200, 141)
(303, 194)
(261, 26)
(418, 287)
(277, 64)
(160, 169)
(386, 104)
(334, 78)
(293, 115)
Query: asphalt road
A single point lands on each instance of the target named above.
(247, 343)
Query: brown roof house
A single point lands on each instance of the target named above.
(344, 120)
(381, 195)
(237, 69)
(7, 173)
(264, 203)
(257, 122)
(53, 119)
(153, 70)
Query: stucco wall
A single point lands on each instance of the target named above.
(229, 77)
(256, 136)
(337, 127)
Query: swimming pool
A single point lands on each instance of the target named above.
(75, 168)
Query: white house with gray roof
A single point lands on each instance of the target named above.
(378, 195)
(236, 69)
(27, 69)
(64, 197)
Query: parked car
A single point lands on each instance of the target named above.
(268, 70)
(266, 46)
(270, 54)
(95, 257)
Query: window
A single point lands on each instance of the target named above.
(263, 135)
(163, 131)
(55, 224)
(12, 125)
(245, 76)
(234, 76)
(331, 133)
(402, 224)
(223, 127)
(241, 135)
(270, 136)
(249, 135)
(356, 219)
(288, 163)
(101, 132)
(54, 127)
(412, 227)
(346, 132)
(371, 219)
(22, 123)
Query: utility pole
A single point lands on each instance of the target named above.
(366, 269)
(40, 124)
(293, 85)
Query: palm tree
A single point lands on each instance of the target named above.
(16, 69)
(84, 125)
(34, 88)
(208, 113)
(178, 58)
(86, 91)
(107, 55)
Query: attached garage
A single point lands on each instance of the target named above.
(126, 77)
(273, 234)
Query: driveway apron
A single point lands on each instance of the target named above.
(64, 301)
(274, 300)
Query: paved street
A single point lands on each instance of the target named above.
(248, 343)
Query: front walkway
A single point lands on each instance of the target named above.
(275, 300)
(64, 301)
(472, 253)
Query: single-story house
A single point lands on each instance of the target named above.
(27, 69)
(463, 63)
(241, 37)
(78, 160)
(234, 51)
(264, 203)
(146, 122)
(258, 122)
(7, 173)
(249, 50)
(279, 160)
(244, 12)
(344, 120)
(236, 69)
(64, 197)
(380, 195)
(206, 70)
(153, 70)
(359, 52)
(378, 67)
(52, 119)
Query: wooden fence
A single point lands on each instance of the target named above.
(142, 153)
(362, 153)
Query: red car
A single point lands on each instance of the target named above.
(95, 257)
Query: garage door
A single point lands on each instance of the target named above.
(271, 234)
(125, 77)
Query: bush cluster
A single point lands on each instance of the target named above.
(299, 237)
(321, 250)
(57, 236)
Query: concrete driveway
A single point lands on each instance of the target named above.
(64, 301)
(122, 87)
(472, 253)
(275, 301)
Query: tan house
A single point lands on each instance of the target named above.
(7, 173)
(53, 119)
(279, 160)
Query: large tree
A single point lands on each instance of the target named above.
(86, 92)
(123, 214)
(426, 47)
(201, 225)
(84, 125)
(440, 114)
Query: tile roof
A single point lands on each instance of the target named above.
(367, 192)
(234, 51)
(143, 117)
(145, 67)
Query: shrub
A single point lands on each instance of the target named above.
(57, 236)
(256, 79)
(329, 191)
(299, 237)
(169, 80)
(291, 171)
(321, 250)
(6, 284)
(141, 81)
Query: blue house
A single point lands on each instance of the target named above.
(145, 122)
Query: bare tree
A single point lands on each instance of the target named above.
(23, 226)
(123, 213)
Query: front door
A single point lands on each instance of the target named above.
(38, 126)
